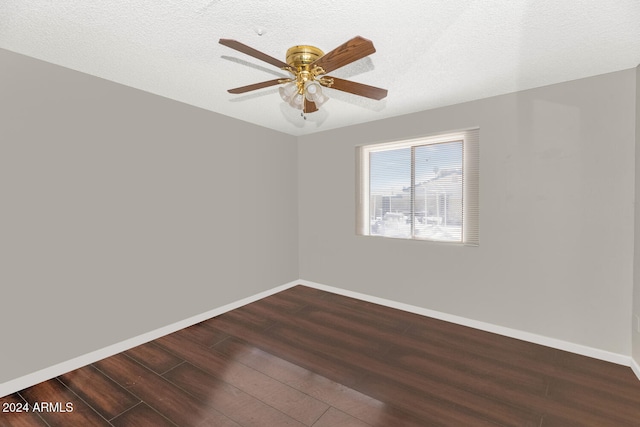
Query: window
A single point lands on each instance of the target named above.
(424, 189)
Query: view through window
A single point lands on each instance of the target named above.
(416, 189)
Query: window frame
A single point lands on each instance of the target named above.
(470, 183)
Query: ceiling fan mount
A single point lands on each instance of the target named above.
(303, 55)
(309, 66)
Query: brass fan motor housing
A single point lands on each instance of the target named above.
(300, 57)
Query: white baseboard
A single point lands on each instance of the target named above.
(37, 377)
(29, 380)
(500, 330)
(635, 368)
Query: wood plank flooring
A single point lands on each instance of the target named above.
(304, 357)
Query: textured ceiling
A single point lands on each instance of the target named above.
(429, 53)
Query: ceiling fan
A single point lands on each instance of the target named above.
(309, 66)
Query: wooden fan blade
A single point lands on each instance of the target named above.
(255, 86)
(252, 52)
(309, 106)
(357, 88)
(356, 48)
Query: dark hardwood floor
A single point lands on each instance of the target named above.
(304, 357)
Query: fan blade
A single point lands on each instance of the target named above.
(356, 48)
(255, 53)
(255, 86)
(309, 106)
(357, 88)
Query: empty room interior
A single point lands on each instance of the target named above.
(175, 254)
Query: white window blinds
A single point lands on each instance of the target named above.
(424, 189)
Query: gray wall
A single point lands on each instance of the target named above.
(635, 352)
(556, 214)
(122, 212)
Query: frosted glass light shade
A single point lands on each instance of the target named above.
(313, 92)
(297, 101)
(321, 99)
(287, 91)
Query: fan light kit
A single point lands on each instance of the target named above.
(309, 66)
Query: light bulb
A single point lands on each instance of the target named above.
(312, 91)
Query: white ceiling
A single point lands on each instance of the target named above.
(429, 53)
